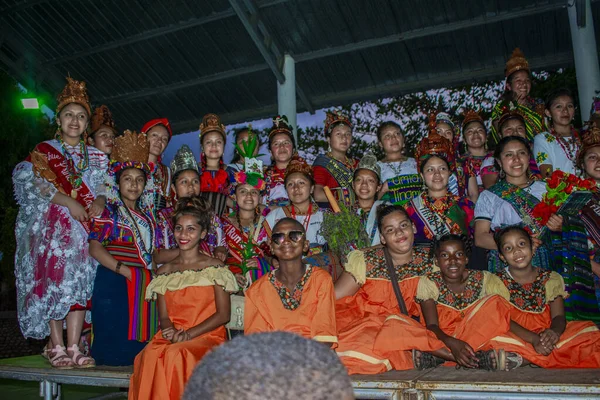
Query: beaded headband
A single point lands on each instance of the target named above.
(333, 117)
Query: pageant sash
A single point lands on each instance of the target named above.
(50, 164)
(521, 201)
(337, 169)
(403, 188)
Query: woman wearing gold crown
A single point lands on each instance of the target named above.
(334, 169)
(56, 187)
(122, 241)
(436, 211)
(192, 296)
(518, 86)
(214, 180)
(102, 132)
(283, 150)
(245, 236)
(186, 183)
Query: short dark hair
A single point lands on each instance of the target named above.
(450, 237)
(273, 365)
(388, 124)
(556, 94)
(386, 209)
(508, 229)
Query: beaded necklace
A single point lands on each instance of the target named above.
(440, 207)
(308, 215)
(571, 147)
(75, 176)
(348, 163)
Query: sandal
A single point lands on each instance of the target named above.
(59, 359)
(47, 351)
(487, 360)
(423, 360)
(508, 360)
(79, 359)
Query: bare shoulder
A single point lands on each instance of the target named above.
(165, 268)
(202, 262)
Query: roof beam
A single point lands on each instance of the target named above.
(5, 12)
(265, 42)
(366, 44)
(428, 31)
(152, 33)
(376, 92)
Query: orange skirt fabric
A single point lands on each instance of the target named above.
(162, 369)
(578, 346)
(361, 317)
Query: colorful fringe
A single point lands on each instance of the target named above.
(143, 315)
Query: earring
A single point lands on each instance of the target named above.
(329, 148)
(501, 174)
(57, 134)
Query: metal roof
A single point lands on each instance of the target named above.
(181, 59)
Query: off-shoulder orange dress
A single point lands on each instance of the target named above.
(362, 317)
(309, 311)
(474, 316)
(578, 346)
(162, 369)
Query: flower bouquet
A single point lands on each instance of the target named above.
(560, 187)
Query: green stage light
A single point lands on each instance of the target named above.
(30, 104)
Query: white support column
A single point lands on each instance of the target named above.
(585, 53)
(286, 93)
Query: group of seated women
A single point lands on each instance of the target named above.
(154, 257)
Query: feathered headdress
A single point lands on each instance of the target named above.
(74, 92)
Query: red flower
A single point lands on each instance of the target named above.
(554, 180)
(569, 188)
(587, 184)
(572, 179)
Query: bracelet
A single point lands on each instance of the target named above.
(118, 267)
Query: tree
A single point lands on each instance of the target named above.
(21, 131)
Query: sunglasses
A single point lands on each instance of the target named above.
(279, 237)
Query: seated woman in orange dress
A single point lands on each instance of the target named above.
(464, 308)
(367, 300)
(539, 332)
(193, 306)
(295, 297)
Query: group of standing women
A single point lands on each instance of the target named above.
(104, 223)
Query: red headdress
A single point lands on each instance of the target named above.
(158, 121)
(102, 117)
(434, 145)
(333, 117)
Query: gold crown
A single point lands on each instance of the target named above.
(184, 160)
(212, 123)
(74, 92)
(102, 116)
(280, 125)
(333, 117)
(299, 166)
(516, 62)
(434, 144)
(132, 147)
(591, 138)
(470, 116)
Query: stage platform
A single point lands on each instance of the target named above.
(435, 384)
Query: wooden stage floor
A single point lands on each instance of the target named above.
(439, 383)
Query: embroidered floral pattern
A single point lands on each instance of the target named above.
(420, 265)
(291, 301)
(549, 138)
(459, 301)
(530, 297)
(541, 157)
